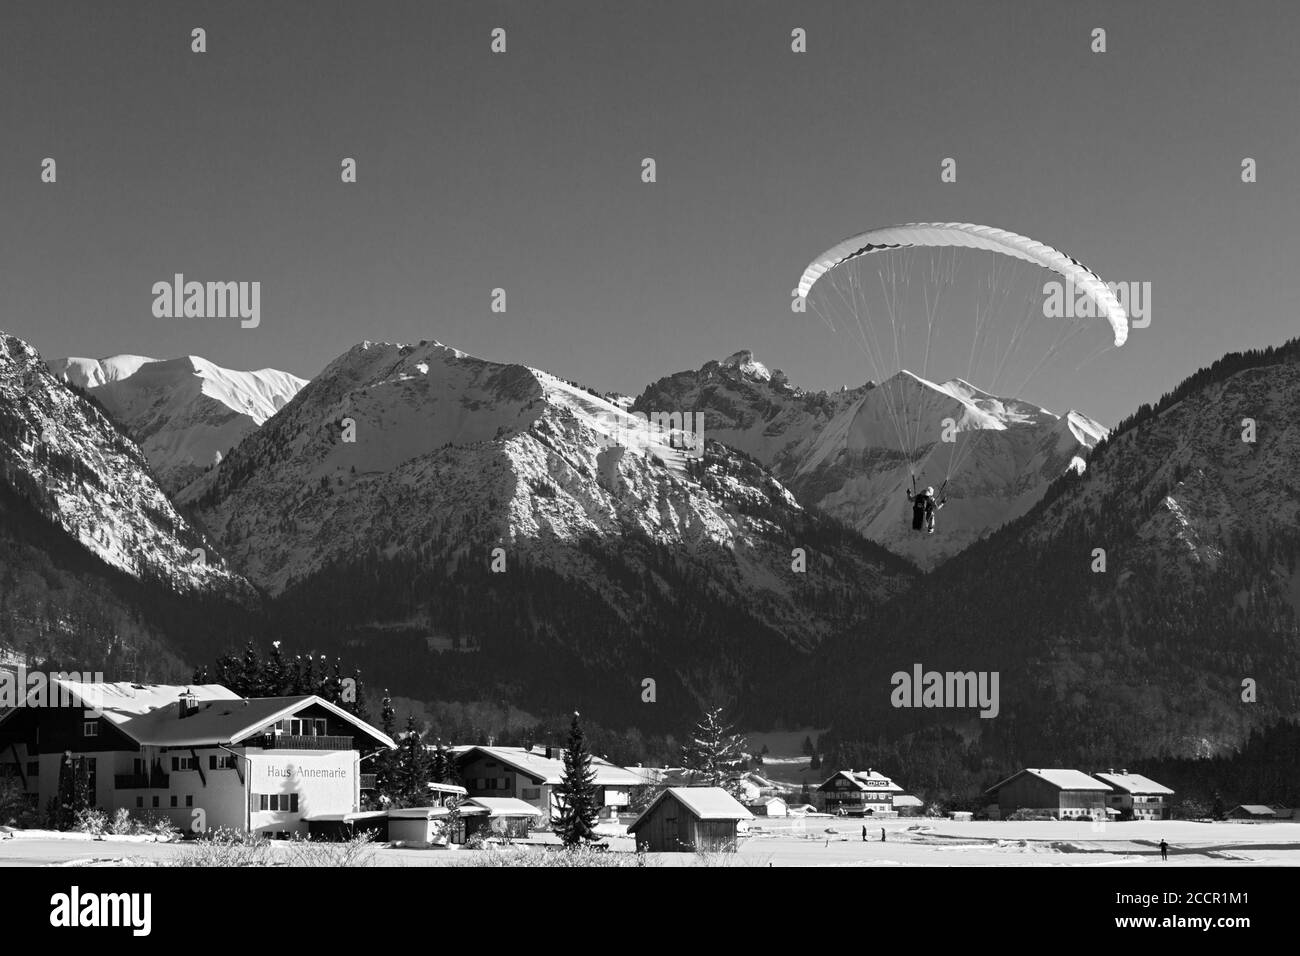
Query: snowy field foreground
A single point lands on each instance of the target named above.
(820, 842)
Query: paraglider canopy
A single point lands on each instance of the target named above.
(969, 235)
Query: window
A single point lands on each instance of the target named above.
(155, 803)
(224, 762)
(90, 728)
(174, 800)
(139, 802)
(278, 802)
(189, 800)
(33, 768)
(307, 726)
(184, 763)
(532, 793)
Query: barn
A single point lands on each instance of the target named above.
(1058, 793)
(689, 819)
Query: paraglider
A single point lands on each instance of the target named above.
(924, 507)
(916, 264)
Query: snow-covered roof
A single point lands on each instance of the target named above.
(864, 780)
(907, 800)
(1133, 783)
(433, 812)
(1255, 810)
(1062, 779)
(536, 765)
(704, 803)
(505, 806)
(148, 713)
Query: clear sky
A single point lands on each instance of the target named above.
(522, 171)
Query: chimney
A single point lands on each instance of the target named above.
(1125, 770)
(186, 704)
(550, 752)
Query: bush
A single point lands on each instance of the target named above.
(224, 847)
(148, 823)
(121, 824)
(235, 848)
(13, 801)
(91, 820)
(579, 856)
(1025, 813)
(358, 851)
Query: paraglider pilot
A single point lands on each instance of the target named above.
(924, 507)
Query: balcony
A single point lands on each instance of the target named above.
(141, 781)
(298, 742)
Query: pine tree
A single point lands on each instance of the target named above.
(73, 793)
(384, 762)
(250, 673)
(576, 793)
(276, 673)
(357, 706)
(413, 767)
(715, 756)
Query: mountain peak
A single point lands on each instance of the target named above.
(185, 412)
(743, 362)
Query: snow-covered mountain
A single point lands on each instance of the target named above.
(1003, 455)
(421, 459)
(843, 452)
(63, 457)
(1149, 605)
(751, 408)
(186, 413)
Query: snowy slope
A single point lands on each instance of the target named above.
(1189, 482)
(842, 452)
(186, 412)
(1003, 455)
(454, 455)
(60, 454)
(1147, 653)
(751, 408)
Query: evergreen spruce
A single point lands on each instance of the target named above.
(576, 793)
(276, 673)
(413, 768)
(385, 764)
(715, 757)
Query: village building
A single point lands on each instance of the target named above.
(767, 807)
(533, 774)
(200, 755)
(1136, 797)
(907, 805)
(858, 793)
(690, 819)
(506, 817)
(1251, 811)
(1062, 794)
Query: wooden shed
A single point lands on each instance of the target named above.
(690, 819)
(1060, 793)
